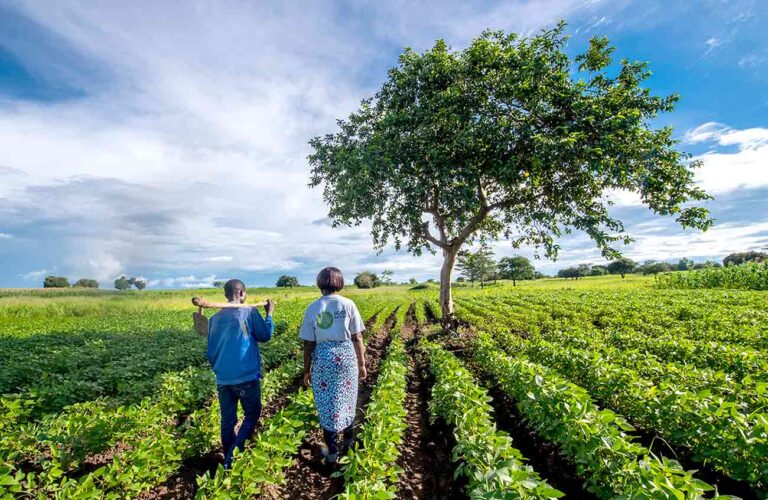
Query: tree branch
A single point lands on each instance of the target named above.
(428, 236)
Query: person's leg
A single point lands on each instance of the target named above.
(228, 405)
(250, 399)
(332, 445)
(349, 436)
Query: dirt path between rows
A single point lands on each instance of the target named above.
(425, 455)
(310, 477)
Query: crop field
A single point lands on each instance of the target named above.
(597, 388)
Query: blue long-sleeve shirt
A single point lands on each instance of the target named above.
(233, 344)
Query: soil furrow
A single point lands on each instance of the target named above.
(425, 455)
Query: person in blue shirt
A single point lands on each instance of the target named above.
(233, 351)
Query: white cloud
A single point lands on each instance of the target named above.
(36, 275)
(5, 236)
(220, 258)
(722, 172)
(189, 281)
(712, 44)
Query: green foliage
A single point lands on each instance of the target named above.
(123, 283)
(219, 283)
(287, 281)
(487, 457)
(622, 266)
(86, 283)
(55, 282)
(749, 276)
(478, 265)
(516, 268)
(367, 280)
(654, 267)
(370, 470)
(504, 138)
(744, 257)
(595, 439)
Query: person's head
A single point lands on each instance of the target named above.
(330, 280)
(234, 290)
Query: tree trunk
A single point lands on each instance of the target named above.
(446, 297)
(514, 281)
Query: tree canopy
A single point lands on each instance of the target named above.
(742, 257)
(622, 266)
(478, 265)
(503, 138)
(55, 282)
(516, 268)
(86, 283)
(367, 279)
(286, 281)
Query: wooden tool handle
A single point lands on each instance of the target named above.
(222, 305)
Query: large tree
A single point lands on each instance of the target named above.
(510, 137)
(516, 268)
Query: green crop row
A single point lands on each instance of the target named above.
(264, 461)
(749, 276)
(370, 471)
(709, 425)
(596, 440)
(493, 467)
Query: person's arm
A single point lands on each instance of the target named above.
(357, 342)
(309, 348)
(264, 328)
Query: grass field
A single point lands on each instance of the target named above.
(595, 388)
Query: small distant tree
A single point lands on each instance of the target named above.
(477, 266)
(685, 264)
(367, 279)
(736, 259)
(461, 279)
(139, 284)
(583, 270)
(286, 281)
(622, 266)
(220, 283)
(516, 268)
(124, 283)
(55, 282)
(86, 283)
(386, 277)
(412, 281)
(598, 270)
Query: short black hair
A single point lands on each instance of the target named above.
(330, 280)
(232, 288)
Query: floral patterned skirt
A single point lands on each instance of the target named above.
(334, 383)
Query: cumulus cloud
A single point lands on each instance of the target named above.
(36, 275)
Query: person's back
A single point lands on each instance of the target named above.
(336, 319)
(233, 344)
(233, 351)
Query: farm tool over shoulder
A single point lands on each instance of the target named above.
(201, 321)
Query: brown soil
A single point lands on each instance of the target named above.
(425, 455)
(309, 476)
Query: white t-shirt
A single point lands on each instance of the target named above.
(331, 318)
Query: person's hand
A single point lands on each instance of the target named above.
(307, 379)
(199, 302)
(270, 307)
(363, 373)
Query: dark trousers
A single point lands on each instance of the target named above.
(332, 439)
(249, 396)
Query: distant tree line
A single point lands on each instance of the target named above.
(625, 265)
(63, 282)
(480, 266)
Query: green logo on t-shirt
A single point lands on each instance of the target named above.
(324, 320)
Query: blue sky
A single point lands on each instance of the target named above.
(168, 140)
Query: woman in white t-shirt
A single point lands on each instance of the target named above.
(334, 360)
